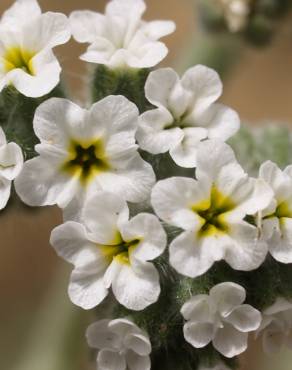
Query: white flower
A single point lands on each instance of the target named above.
(220, 318)
(26, 40)
(11, 161)
(82, 151)
(211, 210)
(186, 113)
(121, 345)
(277, 217)
(276, 327)
(108, 249)
(236, 13)
(120, 38)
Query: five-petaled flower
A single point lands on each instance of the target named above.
(26, 40)
(212, 212)
(276, 220)
(186, 113)
(83, 151)
(276, 326)
(121, 345)
(119, 38)
(220, 318)
(11, 161)
(107, 249)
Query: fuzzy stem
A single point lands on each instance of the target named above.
(16, 117)
(127, 82)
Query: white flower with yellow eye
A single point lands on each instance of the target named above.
(11, 162)
(109, 250)
(121, 345)
(276, 219)
(26, 40)
(82, 151)
(186, 113)
(211, 211)
(276, 327)
(120, 38)
(220, 318)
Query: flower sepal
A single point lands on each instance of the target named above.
(125, 81)
(16, 117)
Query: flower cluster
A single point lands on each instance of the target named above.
(127, 228)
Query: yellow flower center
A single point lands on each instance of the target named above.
(15, 57)
(86, 160)
(283, 210)
(212, 213)
(121, 250)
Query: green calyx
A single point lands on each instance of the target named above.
(16, 117)
(121, 81)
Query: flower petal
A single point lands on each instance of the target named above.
(212, 156)
(11, 161)
(46, 77)
(146, 228)
(18, 12)
(87, 25)
(157, 29)
(136, 362)
(245, 251)
(71, 243)
(204, 84)
(5, 188)
(40, 183)
(230, 342)
(159, 85)
(273, 339)
(185, 152)
(281, 247)
(197, 309)
(245, 318)
(111, 360)
(136, 289)
(55, 120)
(279, 181)
(99, 335)
(47, 31)
(226, 296)
(151, 134)
(86, 287)
(131, 180)
(221, 122)
(138, 343)
(198, 334)
(149, 54)
(102, 215)
(191, 256)
(173, 198)
(116, 114)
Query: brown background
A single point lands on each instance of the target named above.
(259, 88)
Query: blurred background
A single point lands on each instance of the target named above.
(40, 332)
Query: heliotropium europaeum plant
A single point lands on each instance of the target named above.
(190, 254)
